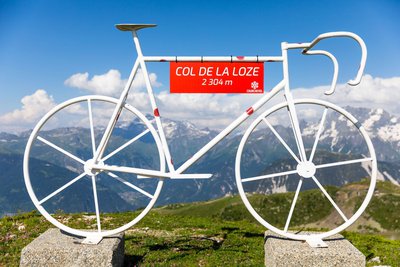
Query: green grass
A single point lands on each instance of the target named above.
(192, 241)
(16, 232)
(158, 240)
(176, 240)
(312, 204)
(214, 233)
(373, 246)
(385, 210)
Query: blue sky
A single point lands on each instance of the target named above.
(43, 43)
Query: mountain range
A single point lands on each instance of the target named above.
(264, 154)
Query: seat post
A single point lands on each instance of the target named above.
(137, 44)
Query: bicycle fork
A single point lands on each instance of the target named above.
(304, 168)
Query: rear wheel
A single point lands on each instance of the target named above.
(58, 173)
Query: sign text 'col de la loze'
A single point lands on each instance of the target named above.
(216, 77)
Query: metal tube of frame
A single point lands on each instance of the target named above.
(289, 99)
(212, 59)
(116, 113)
(231, 127)
(153, 103)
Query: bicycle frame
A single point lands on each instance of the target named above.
(282, 85)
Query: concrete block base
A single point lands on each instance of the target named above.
(280, 251)
(54, 248)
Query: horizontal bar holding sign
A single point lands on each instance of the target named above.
(212, 59)
(217, 77)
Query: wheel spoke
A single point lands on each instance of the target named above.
(60, 149)
(330, 199)
(281, 140)
(340, 163)
(130, 185)
(293, 204)
(125, 145)
(91, 127)
(268, 176)
(320, 128)
(96, 203)
(61, 188)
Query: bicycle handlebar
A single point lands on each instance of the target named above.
(354, 36)
(335, 67)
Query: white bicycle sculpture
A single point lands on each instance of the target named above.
(146, 181)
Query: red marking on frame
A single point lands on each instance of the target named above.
(240, 57)
(217, 77)
(116, 118)
(249, 111)
(156, 113)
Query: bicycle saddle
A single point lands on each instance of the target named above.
(133, 27)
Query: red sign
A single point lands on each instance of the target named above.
(217, 77)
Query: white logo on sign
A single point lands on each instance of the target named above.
(254, 85)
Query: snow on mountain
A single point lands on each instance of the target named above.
(375, 116)
(382, 128)
(381, 124)
(390, 133)
(176, 129)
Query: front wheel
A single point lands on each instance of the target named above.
(58, 174)
(338, 152)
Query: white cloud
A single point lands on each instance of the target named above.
(33, 108)
(371, 92)
(205, 110)
(109, 83)
(218, 110)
